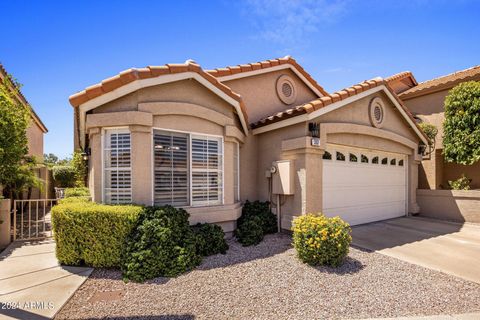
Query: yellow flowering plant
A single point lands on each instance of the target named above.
(320, 240)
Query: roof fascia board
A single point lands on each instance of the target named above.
(271, 69)
(337, 105)
(143, 83)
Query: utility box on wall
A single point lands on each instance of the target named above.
(283, 178)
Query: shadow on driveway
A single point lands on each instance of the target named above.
(452, 248)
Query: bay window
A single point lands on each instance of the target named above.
(188, 169)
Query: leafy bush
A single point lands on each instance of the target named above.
(430, 131)
(77, 192)
(87, 233)
(320, 240)
(268, 221)
(250, 232)
(80, 167)
(461, 128)
(209, 239)
(161, 244)
(255, 216)
(462, 183)
(64, 176)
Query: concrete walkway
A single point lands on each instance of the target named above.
(32, 283)
(452, 248)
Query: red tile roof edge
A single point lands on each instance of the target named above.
(134, 74)
(333, 98)
(231, 70)
(401, 76)
(441, 82)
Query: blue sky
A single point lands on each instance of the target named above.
(56, 48)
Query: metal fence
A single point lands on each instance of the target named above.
(32, 219)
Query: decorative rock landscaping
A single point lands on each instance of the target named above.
(269, 282)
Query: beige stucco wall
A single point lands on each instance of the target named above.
(35, 140)
(430, 108)
(453, 171)
(182, 106)
(453, 205)
(435, 172)
(350, 126)
(260, 94)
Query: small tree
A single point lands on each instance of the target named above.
(461, 141)
(14, 121)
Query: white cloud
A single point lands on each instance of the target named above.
(289, 22)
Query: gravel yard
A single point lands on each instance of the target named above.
(268, 282)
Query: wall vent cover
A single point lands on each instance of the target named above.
(377, 112)
(286, 90)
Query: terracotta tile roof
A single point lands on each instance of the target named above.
(442, 83)
(400, 76)
(134, 74)
(330, 99)
(24, 101)
(231, 70)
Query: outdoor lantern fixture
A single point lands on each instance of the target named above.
(421, 149)
(314, 129)
(85, 154)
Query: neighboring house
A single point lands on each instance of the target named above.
(426, 101)
(206, 140)
(35, 133)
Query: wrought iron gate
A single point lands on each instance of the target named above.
(31, 219)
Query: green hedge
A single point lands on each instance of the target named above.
(64, 176)
(77, 192)
(92, 234)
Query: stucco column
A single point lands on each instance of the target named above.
(141, 157)
(95, 164)
(308, 175)
(413, 162)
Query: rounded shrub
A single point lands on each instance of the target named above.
(250, 232)
(209, 239)
(319, 240)
(162, 244)
(261, 210)
(64, 176)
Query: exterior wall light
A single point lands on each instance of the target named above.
(86, 154)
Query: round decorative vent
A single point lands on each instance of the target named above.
(377, 112)
(286, 89)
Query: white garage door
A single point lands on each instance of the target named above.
(363, 186)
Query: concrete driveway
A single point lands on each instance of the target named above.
(444, 246)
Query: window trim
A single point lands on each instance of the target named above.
(190, 134)
(102, 156)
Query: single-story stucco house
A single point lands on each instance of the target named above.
(426, 101)
(207, 140)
